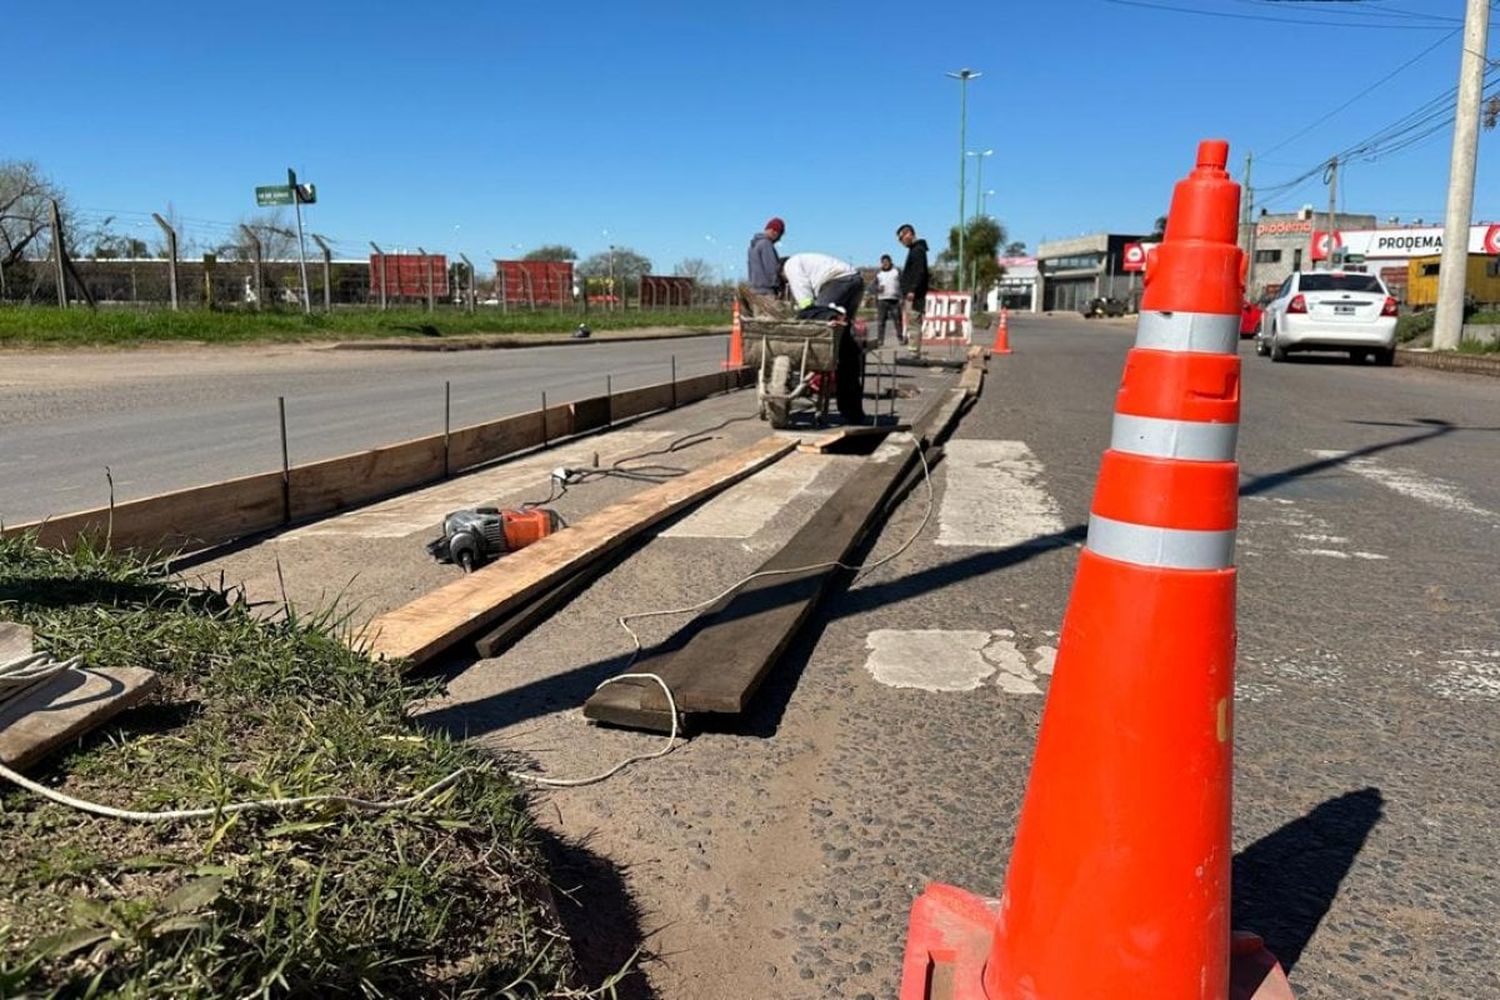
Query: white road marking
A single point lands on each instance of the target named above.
(524, 479)
(1330, 553)
(1471, 675)
(1411, 483)
(993, 496)
(744, 508)
(1280, 513)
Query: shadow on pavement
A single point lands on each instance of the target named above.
(571, 688)
(600, 917)
(1286, 882)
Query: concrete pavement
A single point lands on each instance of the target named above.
(167, 418)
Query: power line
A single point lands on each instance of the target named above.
(1267, 18)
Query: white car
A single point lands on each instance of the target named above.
(1330, 311)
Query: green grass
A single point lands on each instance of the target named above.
(439, 900)
(1415, 326)
(52, 327)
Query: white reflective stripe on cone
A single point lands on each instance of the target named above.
(1203, 333)
(1167, 548)
(1158, 437)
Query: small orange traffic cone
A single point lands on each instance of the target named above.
(1119, 879)
(736, 357)
(1002, 333)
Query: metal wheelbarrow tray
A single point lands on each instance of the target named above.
(786, 353)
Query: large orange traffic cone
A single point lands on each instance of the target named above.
(1119, 880)
(736, 357)
(1002, 333)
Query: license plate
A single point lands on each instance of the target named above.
(1343, 310)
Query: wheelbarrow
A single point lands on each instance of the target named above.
(795, 361)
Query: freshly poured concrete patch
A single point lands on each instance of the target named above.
(745, 508)
(960, 660)
(929, 659)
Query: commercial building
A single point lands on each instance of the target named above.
(1283, 243)
(1019, 286)
(1073, 271)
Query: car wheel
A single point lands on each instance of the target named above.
(1278, 353)
(1359, 357)
(1260, 347)
(1385, 357)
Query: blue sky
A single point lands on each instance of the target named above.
(677, 128)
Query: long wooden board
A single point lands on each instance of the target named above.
(717, 662)
(67, 707)
(15, 641)
(427, 626)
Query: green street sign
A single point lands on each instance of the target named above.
(274, 194)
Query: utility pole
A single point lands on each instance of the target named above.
(963, 77)
(979, 179)
(1331, 177)
(1448, 325)
(1247, 223)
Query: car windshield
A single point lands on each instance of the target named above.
(1339, 283)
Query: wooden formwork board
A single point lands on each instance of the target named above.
(429, 625)
(69, 706)
(716, 663)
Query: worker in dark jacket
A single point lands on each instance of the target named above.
(914, 281)
(763, 266)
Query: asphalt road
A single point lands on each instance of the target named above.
(778, 856)
(163, 419)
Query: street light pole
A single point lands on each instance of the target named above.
(979, 179)
(963, 77)
(982, 196)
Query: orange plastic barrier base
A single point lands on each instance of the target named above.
(949, 938)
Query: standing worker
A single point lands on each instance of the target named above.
(816, 283)
(888, 298)
(914, 278)
(763, 266)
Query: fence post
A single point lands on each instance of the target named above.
(171, 256)
(674, 381)
(327, 272)
(469, 265)
(57, 256)
(380, 263)
(255, 248)
(429, 276)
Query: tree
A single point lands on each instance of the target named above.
(1015, 248)
(1159, 229)
(983, 237)
(552, 251)
(625, 264)
(278, 240)
(700, 270)
(26, 196)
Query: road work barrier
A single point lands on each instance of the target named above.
(1119, 879)
(201, 517)
(948, 319)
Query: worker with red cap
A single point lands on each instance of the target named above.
(764, 266)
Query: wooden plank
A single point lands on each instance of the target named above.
(67, 707)
(718, 661)
(15, 641)
(437, 620)
(590, 414)
(832, 441)
(481, 443)
(527, 616)
(340, 483)
(637, 402)
(181, 520)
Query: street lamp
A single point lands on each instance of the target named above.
(963, 77)
(983, 195)
(979, 176)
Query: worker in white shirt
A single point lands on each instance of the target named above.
(888, 298)
(817, 282)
